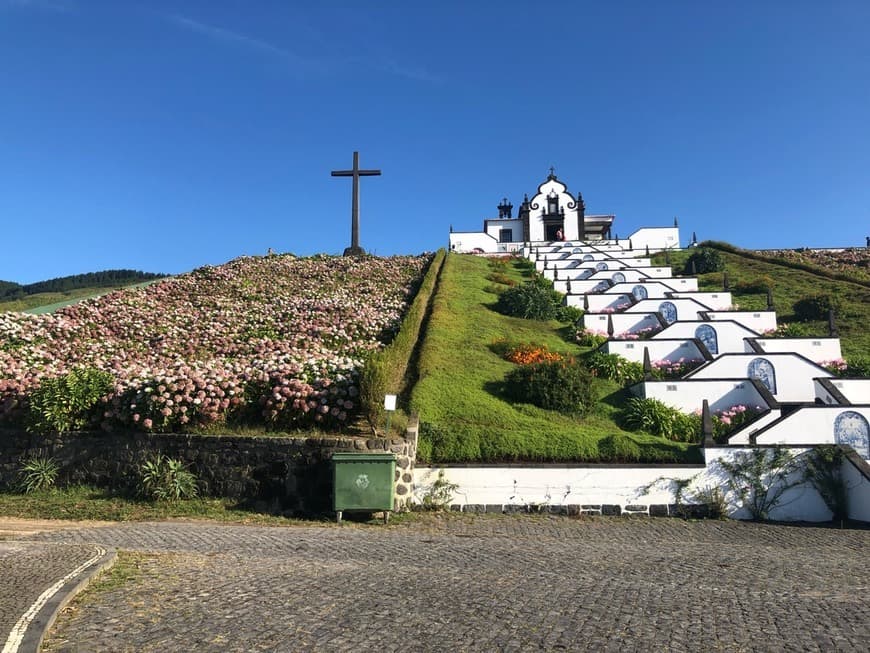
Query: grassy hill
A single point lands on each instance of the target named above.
(54, 293)
(465, 416)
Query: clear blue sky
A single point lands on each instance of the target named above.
(162, 136)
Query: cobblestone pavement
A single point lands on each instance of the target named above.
(476, 583)
(27, 569)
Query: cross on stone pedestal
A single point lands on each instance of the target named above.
(356, 173)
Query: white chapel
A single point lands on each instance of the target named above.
(552, 215)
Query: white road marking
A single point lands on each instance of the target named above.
(20, 628)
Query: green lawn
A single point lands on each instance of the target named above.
(790, 285)
(459, 389)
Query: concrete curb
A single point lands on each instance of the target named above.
(35, 629)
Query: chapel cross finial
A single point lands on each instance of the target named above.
(356, 173)
(552, 172)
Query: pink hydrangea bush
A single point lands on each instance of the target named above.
(277, 339)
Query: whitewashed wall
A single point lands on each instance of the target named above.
(494, 227)
(672, 350)
(758, 321)
(811, 425)
(579, 287)
(629, 487)
(654, 289)
(801, 503)
(630, 274)
(536, 225)
(466, 241)
(857, 391)
(605, 301)
(622, 322)
(729, 334)
(816, 349)
(542, 265)
(687, 309)
(794, 375)
(718, 301)
(688, 396)
(656, 238)
(859, 492)
(555, 485)
(680, 284)
(656, 272)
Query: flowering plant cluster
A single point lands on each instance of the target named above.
(853, 261)
(837, 367)
(666, 369)
(527, 354)
(279, 339)
(643, 334)
(729, 420)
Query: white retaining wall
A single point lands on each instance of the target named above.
(630, 487)
(688, 396)
(729, 335)
(793, 374)
(816, 349)
(758, 321)
(672, 350)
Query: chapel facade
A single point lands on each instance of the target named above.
(553, 214)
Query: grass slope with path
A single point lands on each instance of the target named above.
(464, 414)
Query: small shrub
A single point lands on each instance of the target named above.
(561, 385)
(500, 277)
(569, 314)
(63, 403)
(754, 286)
(614, 367)
(38, 473)
(705, 260)
(858, 367)
(657, 418)
(587, 338)
(166, 479)
(528, 353)
(438, 495)
(790, 330)
(816, 307)
(823, 470)
(533, 300)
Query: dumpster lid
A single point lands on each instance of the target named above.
(348, 456)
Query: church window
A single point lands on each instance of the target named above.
(506, 235)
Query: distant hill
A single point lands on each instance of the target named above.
(9, 290)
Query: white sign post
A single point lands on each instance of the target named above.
(389, 406)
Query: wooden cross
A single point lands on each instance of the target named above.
(356, 173)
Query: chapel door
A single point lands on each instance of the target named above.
(550, 231)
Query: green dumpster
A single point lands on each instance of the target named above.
(363, 481)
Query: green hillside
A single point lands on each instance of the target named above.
(46, 296)
(465, 416)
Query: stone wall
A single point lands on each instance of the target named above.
(278, 474)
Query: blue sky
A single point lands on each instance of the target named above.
(166, 135)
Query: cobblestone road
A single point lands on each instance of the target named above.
(484, 583)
